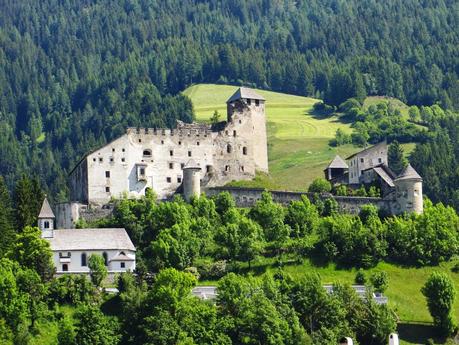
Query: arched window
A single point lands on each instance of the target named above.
(46, 225)
(229, 148)
(83, 260)
(104, 254)
(147, 153)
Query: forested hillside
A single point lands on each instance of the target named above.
(75, 73)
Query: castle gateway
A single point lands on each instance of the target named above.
(160, 159)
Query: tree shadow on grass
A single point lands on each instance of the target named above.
(418, 333)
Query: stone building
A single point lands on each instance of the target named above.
(155, 158)
(402, 193)
(72, 248)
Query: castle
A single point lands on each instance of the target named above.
(161, 159)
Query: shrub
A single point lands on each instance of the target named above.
(319, 185)
(360, 277)
(380, 281)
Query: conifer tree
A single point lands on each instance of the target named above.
(396, 159)
(7, 233)
(28, 199)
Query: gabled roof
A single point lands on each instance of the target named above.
(371, 148)
(384, 176)
(337, 163)
(409, 174)
(90, 239)
(244, 92)
(46, 211)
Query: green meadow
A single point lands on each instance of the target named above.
(297, 138)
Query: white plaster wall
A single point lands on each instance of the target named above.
(408, 197)
(371, 158)
(75, 261)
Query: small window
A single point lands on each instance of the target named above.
(65, 267)
(189, 153)
(234, 133)
(123, 159)
(168, 179)
(257, 102)
(180, 143)
(380, 160)
(142, 171)
(46, 225)
(171, 165)
(182, 165)
(361, 160)
(171, 153)
(101, 159)
(122, 264)
(242, 168)
(83, 260)
(197, 143)
(244, 150)
(113, 149)
(208, 168)
(105, 256)
(227, 168)
(107, 174)
(140, 140)
(229, 148)
(162, 142)
(147, 153)
(93, 159)
(123, 150)
(111, 159)
(179, 179)
(249, 101)
(107, 189)
(240, 121)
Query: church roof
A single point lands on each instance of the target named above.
(46, 211)
(90, 239)
(244, 92)
(409, 174)
(192, 165)
(337, 163)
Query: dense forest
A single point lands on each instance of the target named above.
(75, 73)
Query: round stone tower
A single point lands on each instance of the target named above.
(191, 180)
(408, 192)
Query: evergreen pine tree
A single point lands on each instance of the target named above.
(7, 233)
(28, 200)
(396, 159)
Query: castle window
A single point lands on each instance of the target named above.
(101, 159)
(123, 159)
(242, 168)
(162, 142)
(361, 160)
(140, 140)
(227, 168)
(416, 192)
(171, 165)
(107, 189)
(105, 256)
(123, 150)
(228, 148)
(147, 153)
(93, 159)
(182, 165)
(168, 179)
(380, 160)
(180, 143)
(234, 133)
(142, 171)
(46, 225)
(107, 174)
(189, 153)
(111, 159)
(113, 149)
(240, 121)
(208, 168)
(122, 265)
(197, 143)
(65, 267)
(249, 101)
(83, 260)
(257, 102)
(179, 179)
(171, 153)
(244, 151)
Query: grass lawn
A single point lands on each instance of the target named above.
(298, 148)
(415, 323)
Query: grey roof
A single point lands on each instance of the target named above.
(244, 92)
(46, 211)
(409, 174)
(337, 163)
(191, 164)
(90, 239)
(384, 176)
(371, 148)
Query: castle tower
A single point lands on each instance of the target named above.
(247, 104)
(46, 219)
(408, 192)
(191, 180)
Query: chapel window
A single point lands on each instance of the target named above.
(46, 225)
(107, 174)
(83, 260)
(147, 153)
(105, 256)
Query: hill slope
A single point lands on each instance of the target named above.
(297, 139)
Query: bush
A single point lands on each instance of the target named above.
(380, 281)
(360, 277)
(320, 185)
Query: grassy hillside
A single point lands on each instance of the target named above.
(297, 138)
